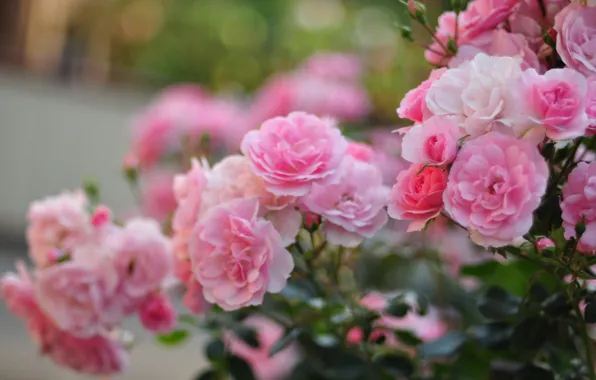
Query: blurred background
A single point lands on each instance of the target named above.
(74, 72)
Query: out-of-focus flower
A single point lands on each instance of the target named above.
(576, 38)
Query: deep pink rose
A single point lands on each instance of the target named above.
(157, 195)
(556, 100)
(434, 142)
(484, 15)
(576, 38)
(413, 105)
(188, 191)
(264, 366)
(237, 256)
(142, 257)
(352, 208)
(58, 222)
(342, 66)
(591, 105)
(360, 151)
(417, 195)
(579, 203)
(291, 153)
(498, 43)
(157, 313)
(495, 184)
(78, 297)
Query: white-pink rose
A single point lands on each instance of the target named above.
(576, 38)
(237, 257)
(291, 153)
(495, 184)
(485, 15)
(434, 142)
(579, 203)
(352, 208)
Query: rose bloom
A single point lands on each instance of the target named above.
(498, 43)
(18, 292)
(555, 100)
(237, 256)
(495, 184)
(188, 192)
(475, 92)
(591, 105)
(57, 222)
(157, 314)
(485, 15)
(360, 151)
(529, 20)
(142, 257)
(387, 154)
(576, 38)
(413, 105)
(193, 299)
(417, 195)
(157, 195)
(433, 142)
(353, 208)
(445, 31)
(264, 366)
(291, 153)
(342, 66)
(579, 203)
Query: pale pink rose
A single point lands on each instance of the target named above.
(57, 222)
(342, 66)
(291, 153)
(264, 366)
(476, 93)
(529, 20)
(556, 100)
(413, 105)
(78, 297)
(287, 223)
(576, 38)
(234, 178)
(579, 203)
(434, 142)
(157, 195)
(498, 43)
(591, 105)
(417, 195)
(193, 299)
(142, 257)
(352, 208)
(18, 292)
(360, 151)
(387, 149)
(495, 184)
(437, 55)
(484, 15)
(188, 192)
(237, 256)
(543, 243)
(157, 314)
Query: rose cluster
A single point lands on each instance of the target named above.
(89, 274)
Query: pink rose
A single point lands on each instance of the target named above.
(387, 149)
(193, 299)
(102, 216)
(484, 15)
(498, 43)
(555, 100)
(476, 93)
(352, 208)
(237, 256)
(360, 151)
(157, 195)
(264, 366)
(292, 153)
(78, 297)
(413, 105)
(529, 20)
(591, 105)
(142, 257)
(188, 191)
(57, 222)
(495, 184)
(157, 314)
(576, 38)
(434, 142)
(579, 203)
(341, 66)
(18, 292)
(417, 195)
(437, 55)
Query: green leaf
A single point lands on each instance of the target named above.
(497, 303)
(215, 350)
(397, 365)
(532, 372)
(590, 313)
(482, 270)
(448, 345)
(557, 305)
(408, 338)
(529, 335)
(208, 375)
(300, 289)
(174, 338)
(397, 307)
(285, 341)
(239, 369)
(494, 335)
(247, 334)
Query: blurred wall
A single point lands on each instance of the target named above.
(54, 136)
